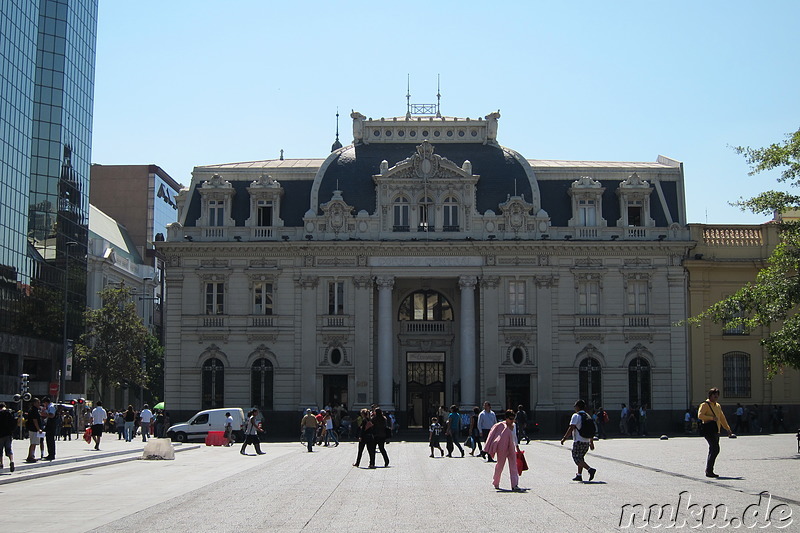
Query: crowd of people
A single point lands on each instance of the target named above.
(45, 422)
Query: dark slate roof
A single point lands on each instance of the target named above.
(355, 166)
(294, 203)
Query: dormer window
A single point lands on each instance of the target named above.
(450, 214)
(587, 203)
(401, 209)
(217, 195)
(634, 198)
(265, 206)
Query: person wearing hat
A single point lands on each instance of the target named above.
(308, 425)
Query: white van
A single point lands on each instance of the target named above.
(200, 424)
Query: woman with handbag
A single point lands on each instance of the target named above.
(502, 440)
(366, 438)
(251, 432)
(712, 418)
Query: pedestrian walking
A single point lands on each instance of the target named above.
(502, 442)
(252, 429)
(99, 416)
(66, 426)
(146, 415)
(486, 421)
(308, 427)
(434, 436)
(581, 429)
(521, 421)
(7, 425)
(380, 432)
(130, 420)
(366, 438)
(329, 431)
(474, 432)
(623, 420)
(119, 424)
(228, 429)
(453, 431)
(713, 420)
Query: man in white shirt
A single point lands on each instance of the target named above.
(486, 420)
(145, 416)
(580, 444)
(99, 416)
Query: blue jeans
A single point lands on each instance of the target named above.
(129, 429)
(331, 434)
(310, 436)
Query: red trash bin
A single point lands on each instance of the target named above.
(216, 438)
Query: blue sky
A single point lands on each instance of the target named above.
(183, 83)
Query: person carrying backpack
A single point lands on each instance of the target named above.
(582, 429)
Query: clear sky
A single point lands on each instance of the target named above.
(182, 83)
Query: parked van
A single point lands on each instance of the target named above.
(197, 427)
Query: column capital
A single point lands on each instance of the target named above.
(362, 282)
(384, 282)
(467, 282)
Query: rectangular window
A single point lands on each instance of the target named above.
(586, 213)
(336, 298)
(516, 297)
(401, 217)
(635, 213)
(589, 298)
(264, 214)
(637, 297)
(215, 298)
(216, 212)
(450, 221)
(262, 298)
(736, 375)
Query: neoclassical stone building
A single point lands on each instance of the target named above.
(426, 264)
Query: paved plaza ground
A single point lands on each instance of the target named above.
(288, 489)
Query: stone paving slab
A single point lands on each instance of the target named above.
(288, 489)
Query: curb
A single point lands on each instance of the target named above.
(84, 463)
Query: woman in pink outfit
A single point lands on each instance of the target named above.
(502, 440)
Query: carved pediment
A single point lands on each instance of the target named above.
(516, 210)
(425, 164)
(337, 212)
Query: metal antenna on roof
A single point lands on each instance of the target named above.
(281, 154)
(408, 96)
(438, 98)
(337, 123)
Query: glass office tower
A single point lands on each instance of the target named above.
(47, 58)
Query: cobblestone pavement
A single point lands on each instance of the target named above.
(288, 489)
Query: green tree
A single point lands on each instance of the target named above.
(111, 349)
(773, 298)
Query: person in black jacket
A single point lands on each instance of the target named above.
(379, 428)
(7, 425)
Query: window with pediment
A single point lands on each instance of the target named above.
(634, 202)
(216, 195)
(587, 203)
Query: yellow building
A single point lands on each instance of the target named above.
(726, 258)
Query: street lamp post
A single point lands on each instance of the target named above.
(62, 381)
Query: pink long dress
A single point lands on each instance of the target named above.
(502, 441)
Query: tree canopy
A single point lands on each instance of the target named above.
(773, 298)
(115, 341)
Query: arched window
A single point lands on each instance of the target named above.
(261, 384)
(639, 382)
(736, 375)
(213, 386)
(450, 213)
(426, 221)
(425, 305)
(400, 214)
(590, 382)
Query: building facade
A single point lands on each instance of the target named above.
(426, 264)
(732, 358)
(47, 87)
(142, 199)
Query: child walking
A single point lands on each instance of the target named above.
(435, 434)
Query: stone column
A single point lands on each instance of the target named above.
(545, 342)
(467, 338)
(308, 340)
(363, 349)
(385, 342)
